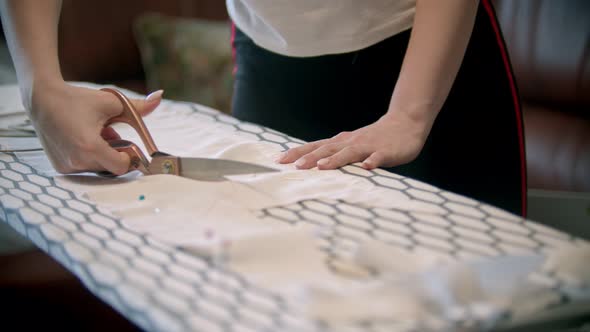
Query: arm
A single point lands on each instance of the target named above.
(435, 52)
(69, 120)
(31, 33)
(438, 41)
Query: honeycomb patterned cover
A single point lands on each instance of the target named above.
(161, 288)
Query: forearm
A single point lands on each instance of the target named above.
(30, 27)
(439, 37)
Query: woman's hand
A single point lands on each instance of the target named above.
(70, 122)
(439, 37)
(396, 138)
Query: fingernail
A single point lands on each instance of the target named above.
(280, 157)
(300, 162)
(323, 162)
(154, 95)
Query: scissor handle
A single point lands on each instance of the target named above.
(137, 160)
(132, 117)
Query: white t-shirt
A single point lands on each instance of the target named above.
(316, 27)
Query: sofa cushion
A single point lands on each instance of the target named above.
(548, 45)
(96, 41)
(191, 59)
(558, 149)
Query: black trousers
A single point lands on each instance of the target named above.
(475, 147)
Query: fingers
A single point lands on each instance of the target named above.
(113, 106)
(109, 158)
(310, 159)
(293, 154)
(109, 134)
(94, 155)
(149, 104)
(332, 156)
(112, 160)
(345, 156)
(76, 144)
(375, 160)
(336, 156)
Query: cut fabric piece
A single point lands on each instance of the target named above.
(570, 264)
(436, 295)
(284, 259)
(176, 210)
(179, 211)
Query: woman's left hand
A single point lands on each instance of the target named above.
(395, 139)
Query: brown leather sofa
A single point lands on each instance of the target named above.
(549, 45)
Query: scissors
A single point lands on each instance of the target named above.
(203, 169)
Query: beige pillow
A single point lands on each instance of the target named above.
(191, 59)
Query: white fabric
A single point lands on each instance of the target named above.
(311, 27)
(437, 293)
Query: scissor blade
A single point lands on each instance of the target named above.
(206, 169)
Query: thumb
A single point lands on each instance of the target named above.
(146, 106)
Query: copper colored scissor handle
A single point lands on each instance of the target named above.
(138, 160)
(132, 117)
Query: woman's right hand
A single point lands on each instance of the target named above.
(70, 122)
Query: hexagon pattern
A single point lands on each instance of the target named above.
(161, 288)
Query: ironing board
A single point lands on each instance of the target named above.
(162, 288)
